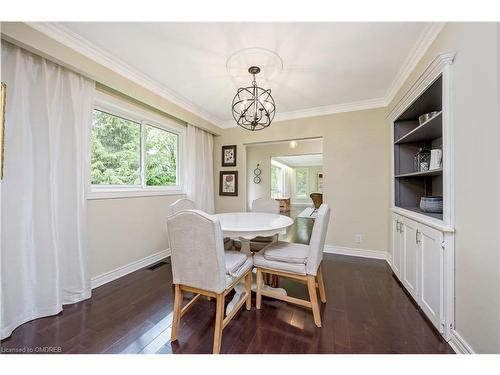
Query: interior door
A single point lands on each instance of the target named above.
(396, 246)
(432, 274)
(410, 257)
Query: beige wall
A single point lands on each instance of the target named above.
(262, 154)
(122, 231)
(355, 163)
(475, 121)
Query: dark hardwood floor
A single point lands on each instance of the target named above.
(367, 312)
(300, 230)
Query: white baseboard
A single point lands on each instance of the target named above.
(128, 268)
(458, 344)
(364, 253)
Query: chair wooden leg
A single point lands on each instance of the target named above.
(321, 285)
(248, 289)
(311, 286)
(274, 281)
(177, 311)
(219, 317)
(259, 288)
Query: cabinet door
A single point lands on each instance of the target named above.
(410, 257)
(431, 274)
(396, 246)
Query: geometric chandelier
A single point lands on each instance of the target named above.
(253, 107)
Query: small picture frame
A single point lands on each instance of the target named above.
(229, 156)
(228, 183)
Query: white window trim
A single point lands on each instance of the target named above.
(281, 178)
(279, 189)
(307, 183)
(107, 103)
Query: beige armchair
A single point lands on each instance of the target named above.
(297, 262)
(201, 266)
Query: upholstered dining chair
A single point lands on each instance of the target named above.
(297, 262)
(265, 205)
(183, 204)
(201, 266)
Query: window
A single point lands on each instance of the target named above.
(301, 183)
(116, 150)
(161, 150)
(276, 182)
(133, 153)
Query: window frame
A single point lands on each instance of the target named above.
(279, 181)
(306, 170)
(117, 107)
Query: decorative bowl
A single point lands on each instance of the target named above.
(426, 117)
(432, 204)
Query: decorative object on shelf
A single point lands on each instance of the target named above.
(228, 183)
(427, 116)
(432, 204)
(229, 156)
(257, 171)
(3, 95)
(421, 160)
(253, 107)
(436, 159)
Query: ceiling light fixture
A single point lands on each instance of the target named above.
(253, 107)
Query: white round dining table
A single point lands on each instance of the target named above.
(248, 225)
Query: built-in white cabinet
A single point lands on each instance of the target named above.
(432, 247)
(396, 245)
(418, 261)
(422, 237)
(409, 276)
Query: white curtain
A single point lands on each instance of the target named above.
(43, 245)
(199, 178)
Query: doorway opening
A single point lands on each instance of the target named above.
(292, 173)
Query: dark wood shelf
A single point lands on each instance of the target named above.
(419, 211)
(431, 129)
(434, 172)
(409, 138)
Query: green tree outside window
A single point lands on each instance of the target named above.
(116, 153)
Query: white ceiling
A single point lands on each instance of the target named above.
(301, 160)
(327, 67)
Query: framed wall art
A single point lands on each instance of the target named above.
(229, 156)
(228, 183)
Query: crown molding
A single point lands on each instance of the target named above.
(421, 46)
(322, 111)
(70, 39)
(76, 42)
(424, 80)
